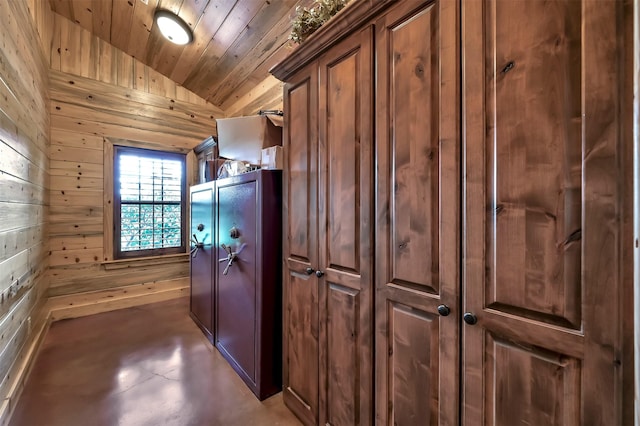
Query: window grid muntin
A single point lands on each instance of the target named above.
(151, 180)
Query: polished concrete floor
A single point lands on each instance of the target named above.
(148, 365)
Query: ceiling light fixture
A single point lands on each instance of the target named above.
(173, 28)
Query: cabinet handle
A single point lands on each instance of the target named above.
(309, 271)
(469, 318)
(319, 274)
(444, 310)
(197, 244)
(232, 256)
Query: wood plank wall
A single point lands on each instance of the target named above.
(74, 50)
(101, 96)
(24, 185)
(52, 146)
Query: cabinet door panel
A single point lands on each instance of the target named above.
(542, 201)
(413, 360)
(343, 329)
(536, 160)
(236, 292)
(542, 387)
(345, 232)
(301, 171)
(341, 137)
(417, 235)
(301, 336)
(414, 111)
(202, 266)
(300, 289)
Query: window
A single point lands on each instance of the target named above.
(149, 202)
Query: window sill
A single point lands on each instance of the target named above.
(145, 261)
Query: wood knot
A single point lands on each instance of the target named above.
(508, 67)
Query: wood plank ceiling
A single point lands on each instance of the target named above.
(235, 41)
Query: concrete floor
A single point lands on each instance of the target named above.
(148, 365)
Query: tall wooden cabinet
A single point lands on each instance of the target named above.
(458, 179)
(328, 296)
(301, 361)
(417, 211)
(546, 171)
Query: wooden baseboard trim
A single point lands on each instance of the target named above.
(24, 366)
(79, 305)
(95, 302)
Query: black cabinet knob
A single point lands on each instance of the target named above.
(444, 310)
(469, 318)
(309, 271)
(319, 274)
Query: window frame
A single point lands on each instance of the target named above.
(119, 254)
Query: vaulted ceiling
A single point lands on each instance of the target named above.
(235, 41)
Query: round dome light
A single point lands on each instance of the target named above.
(173, 28)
